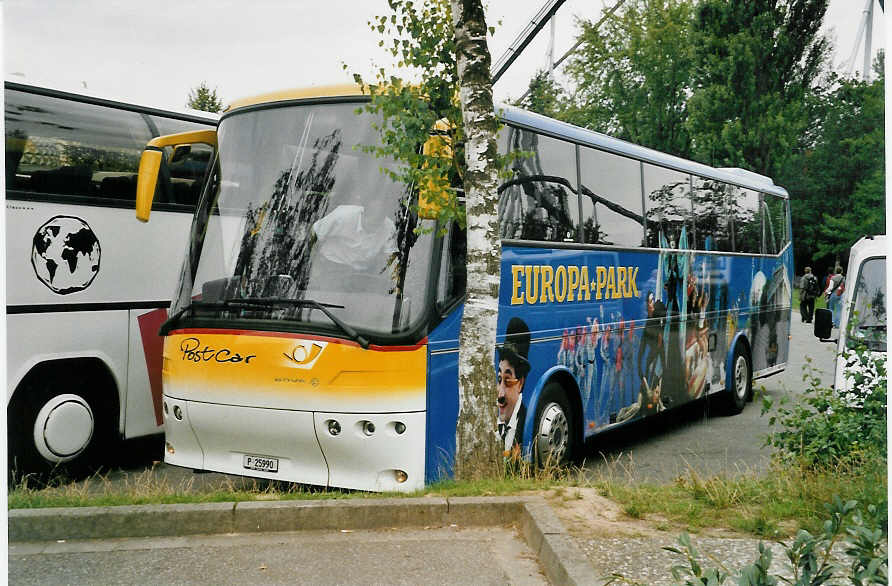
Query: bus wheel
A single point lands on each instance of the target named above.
(553, 438)
(741, 382)
(54, 424)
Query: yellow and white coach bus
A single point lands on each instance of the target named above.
(83, 303)
(313, 337)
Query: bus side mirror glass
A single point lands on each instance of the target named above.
(149, 165)
(823, 323)
(434, 193)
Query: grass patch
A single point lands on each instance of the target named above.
(775, 504)
(149, 487)
(146, 488)
(772, 505)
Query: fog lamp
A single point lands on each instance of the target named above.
(399, 428)
(169, 447)
(177, 412)
(368, 428)
(401, 476)
(334, 428)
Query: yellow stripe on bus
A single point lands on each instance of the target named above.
(204, 363)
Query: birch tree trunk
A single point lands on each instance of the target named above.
(476, 450)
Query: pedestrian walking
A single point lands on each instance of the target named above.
(808, 292)
(836, 284)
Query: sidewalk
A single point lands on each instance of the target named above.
(600, 541)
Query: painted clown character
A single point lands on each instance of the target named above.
(513, 368)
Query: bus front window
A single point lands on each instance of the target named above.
(869, 306)
(302, 217)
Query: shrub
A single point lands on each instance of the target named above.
(812, 559)
(825, 426)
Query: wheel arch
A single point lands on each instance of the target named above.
(562, 376)
(94, 367)
(742, 339)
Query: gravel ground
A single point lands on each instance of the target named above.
(644, 561)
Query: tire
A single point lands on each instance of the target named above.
(57, 423)
(741, 389)
(554, 437)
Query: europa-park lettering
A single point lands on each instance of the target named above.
(532, 284)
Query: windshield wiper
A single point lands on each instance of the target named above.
(254, 302)
(323, 307)
(225, 304)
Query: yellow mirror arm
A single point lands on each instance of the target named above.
(150, 164)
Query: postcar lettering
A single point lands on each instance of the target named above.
(191, 353)
(536, 284)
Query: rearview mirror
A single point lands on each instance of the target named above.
(150, 164)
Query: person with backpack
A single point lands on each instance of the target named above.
(809, 290)
(836, 284)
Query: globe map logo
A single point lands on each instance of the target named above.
(65, 254)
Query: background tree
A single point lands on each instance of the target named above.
(442, 44)
(205, 99)
(755, 63)
(631, 75)
(836, 185)
(545, 96)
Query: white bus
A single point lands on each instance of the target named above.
(84, 357)
(863, 318)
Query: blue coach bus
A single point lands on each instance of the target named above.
(314, 335)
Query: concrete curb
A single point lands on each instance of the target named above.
(562, 560)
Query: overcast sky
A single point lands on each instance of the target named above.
(155, 52)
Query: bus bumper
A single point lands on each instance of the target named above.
(364, 451)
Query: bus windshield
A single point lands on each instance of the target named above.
(869, 306)
(302, 229)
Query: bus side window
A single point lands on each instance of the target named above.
(611, 199)
(539, 201)
(776, 236)
(710, 214)
(453, 267)
(667, 197)
(743, 209)
(61, 147)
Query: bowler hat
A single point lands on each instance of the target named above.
(516, 346)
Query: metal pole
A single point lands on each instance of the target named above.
(865, 74)
(579, 42)
(551, 51)
(524, 38)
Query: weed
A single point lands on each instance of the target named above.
(811, 558)
(827, 426)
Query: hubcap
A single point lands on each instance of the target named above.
(553, 435)
(741, 376)
(63, 428)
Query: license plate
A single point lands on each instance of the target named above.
(261, 463)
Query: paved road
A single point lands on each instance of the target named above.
(693, 437)
(449, 555)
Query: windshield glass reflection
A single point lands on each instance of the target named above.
(869, 306)
(298, 214)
